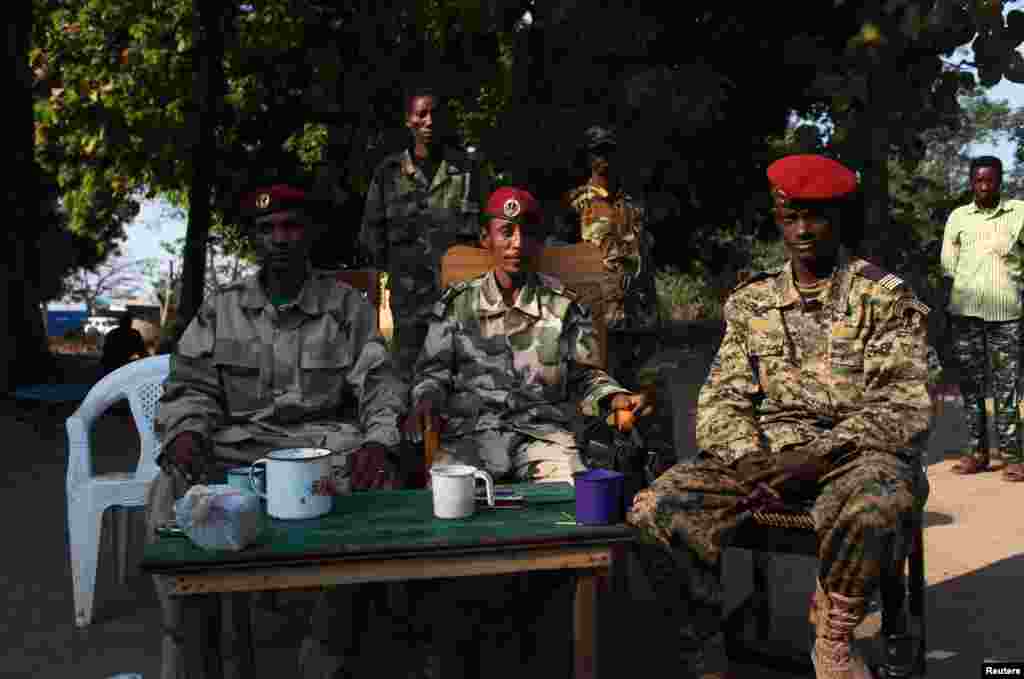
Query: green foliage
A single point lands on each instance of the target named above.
(687, 295)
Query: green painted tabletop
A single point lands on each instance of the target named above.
(399, 522)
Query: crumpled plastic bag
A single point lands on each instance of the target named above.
(220, 517)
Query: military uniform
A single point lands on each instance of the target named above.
(249, 377)
(842, 378)
(409, 222)
(510, 377)
(616, 223)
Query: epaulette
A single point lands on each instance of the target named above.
(450, 293)
(877, 274)
(755, 277)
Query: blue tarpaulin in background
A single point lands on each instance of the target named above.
(60, 322)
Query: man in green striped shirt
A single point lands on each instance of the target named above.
(981, 243)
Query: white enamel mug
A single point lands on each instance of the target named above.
(298, 482)
(454, 489)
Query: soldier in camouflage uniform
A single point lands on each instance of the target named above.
(508, 359)
(817, 394)
(264, 365)
(602, 213)
(421, 201)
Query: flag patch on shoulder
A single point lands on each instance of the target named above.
(890, 281)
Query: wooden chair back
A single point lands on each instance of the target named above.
(366, 281)
(579, 267)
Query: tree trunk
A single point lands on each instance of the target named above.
(875, 178)
(208, 31)
(23, 340)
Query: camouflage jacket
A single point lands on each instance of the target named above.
(617, 223)
(523, 367)
(404, 207)
(832, 378)
(242, 361)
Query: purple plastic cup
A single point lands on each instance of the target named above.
(599, 497)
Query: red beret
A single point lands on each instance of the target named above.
(270, 199)
(514, 205)
(810, 177)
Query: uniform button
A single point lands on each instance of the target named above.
(279, 392)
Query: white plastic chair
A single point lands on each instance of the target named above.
(89, 495)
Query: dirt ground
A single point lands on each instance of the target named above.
(974, 536)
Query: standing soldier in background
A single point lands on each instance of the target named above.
(984, 307)
(602, 213)
(421, 201)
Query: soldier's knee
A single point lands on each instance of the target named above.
(881, 510)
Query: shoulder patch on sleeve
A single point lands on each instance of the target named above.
(877, 274)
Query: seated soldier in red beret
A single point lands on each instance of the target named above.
(817, 395)
(264, 365)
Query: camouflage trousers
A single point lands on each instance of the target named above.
(987, 354)
(414, 289)
(339, 612)
(511, 455)
(863, 516)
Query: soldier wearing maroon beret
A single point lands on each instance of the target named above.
(267, 363)
(817, 396)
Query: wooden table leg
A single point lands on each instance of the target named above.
(239, 661)
(585, 624)
(202, 636)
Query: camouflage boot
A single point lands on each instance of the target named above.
(834, 655)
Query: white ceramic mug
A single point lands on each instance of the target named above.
(298, 482)
(454, 489)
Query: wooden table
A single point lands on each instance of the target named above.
(389, 536)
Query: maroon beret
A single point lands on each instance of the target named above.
(810, 177)
(270, 199)
(514, 205)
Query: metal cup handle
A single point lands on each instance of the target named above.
(488, 483)
(252, 479)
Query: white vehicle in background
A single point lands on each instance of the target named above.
(101, 324)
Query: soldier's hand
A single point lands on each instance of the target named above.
(763, 498)
(626, 407)
(374, 467)
(426, 411)
(188, 455)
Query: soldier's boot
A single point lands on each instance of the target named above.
(834, 655)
